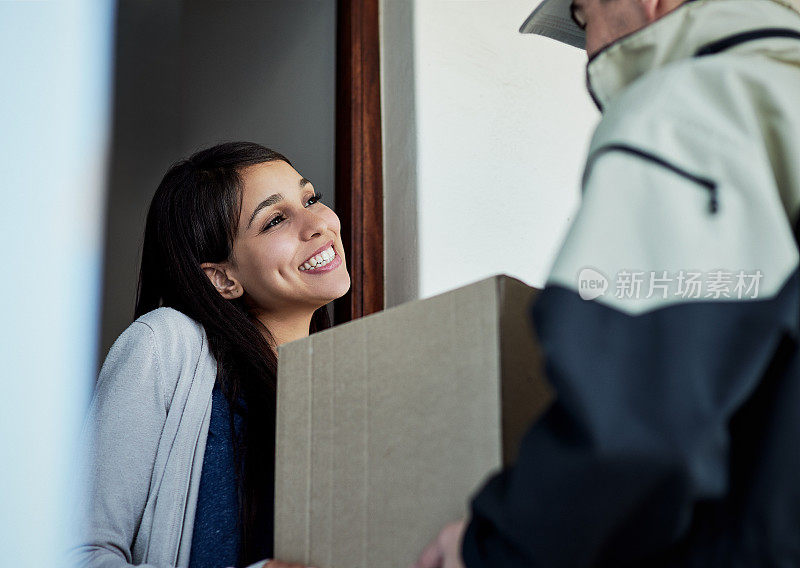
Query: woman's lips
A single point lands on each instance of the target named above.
(332, 265)
(324, 260)
(328, 245)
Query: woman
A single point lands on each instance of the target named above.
(240, 256)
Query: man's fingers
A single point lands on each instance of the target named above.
(431, 557)
(279, 564)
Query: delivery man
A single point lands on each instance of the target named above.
(670, 318)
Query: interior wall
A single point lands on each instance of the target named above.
(193, 74)
(398, 113)
(262, 71)
(501, 124)
(144, 143)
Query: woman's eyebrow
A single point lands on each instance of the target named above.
(271, 200)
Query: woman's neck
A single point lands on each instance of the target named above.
(284, 327)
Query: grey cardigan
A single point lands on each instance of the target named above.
(146, 433)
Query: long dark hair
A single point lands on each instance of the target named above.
(193, 218)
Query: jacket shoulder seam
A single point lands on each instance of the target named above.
(709, 184)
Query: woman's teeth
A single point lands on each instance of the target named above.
(321, 259)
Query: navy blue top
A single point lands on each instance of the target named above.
(215, 540)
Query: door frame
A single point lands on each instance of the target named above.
(359, 156)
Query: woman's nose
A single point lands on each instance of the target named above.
(314, 225)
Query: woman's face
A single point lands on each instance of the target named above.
(288, 254)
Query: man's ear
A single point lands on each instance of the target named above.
(653, 9)
(222, 279)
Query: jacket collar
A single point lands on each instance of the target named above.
(686, 32)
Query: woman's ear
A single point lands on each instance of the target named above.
(221, 278)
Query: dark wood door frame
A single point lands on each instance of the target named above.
(359, 156)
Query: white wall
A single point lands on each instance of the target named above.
(485, 133)
(55, 67)
(401, 242)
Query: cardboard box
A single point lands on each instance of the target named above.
(388, 424)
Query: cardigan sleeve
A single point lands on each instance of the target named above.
(121, 435)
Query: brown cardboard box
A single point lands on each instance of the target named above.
(388, 424)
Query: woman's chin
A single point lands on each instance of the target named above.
(342, 288)
(346, 286)
(334, 290)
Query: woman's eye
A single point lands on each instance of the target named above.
(274, 222)
(314, 199)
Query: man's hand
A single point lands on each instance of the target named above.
(445, 550)
(279, 564)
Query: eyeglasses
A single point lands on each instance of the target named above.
(577, 16)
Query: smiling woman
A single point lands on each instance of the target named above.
(240, 255)
(283, 226)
